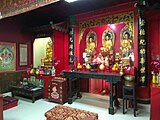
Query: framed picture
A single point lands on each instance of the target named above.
(7, 56)
(23, 54)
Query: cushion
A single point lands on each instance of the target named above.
(5, 103)
(61, 112)
(10, 99)
(9, 102)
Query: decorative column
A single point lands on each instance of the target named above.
(72, 23)
(142, 51)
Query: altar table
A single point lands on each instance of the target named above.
(111, 77)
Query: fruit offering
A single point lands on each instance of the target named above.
(101, 67)
(114, 68)
(79, 66)
(88, 66)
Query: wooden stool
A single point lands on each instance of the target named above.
(129, 93)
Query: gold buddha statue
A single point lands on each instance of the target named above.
(107, 44)
(126, 45)
(47, 61)
(91, 46)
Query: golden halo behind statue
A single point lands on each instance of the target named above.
(91, 43)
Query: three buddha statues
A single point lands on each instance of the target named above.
(107, 48)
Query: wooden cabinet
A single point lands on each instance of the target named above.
(58, 90)
(155, 104)
(1, 107)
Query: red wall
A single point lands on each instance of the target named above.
(10, 31)
(60, 50)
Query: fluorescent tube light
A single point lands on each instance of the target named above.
(69, 1)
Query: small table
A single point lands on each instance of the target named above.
(112, 77)
(32, 93)
(46, 81)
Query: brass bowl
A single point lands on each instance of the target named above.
(129, 77)
(94, 67)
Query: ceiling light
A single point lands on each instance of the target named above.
(69, 1)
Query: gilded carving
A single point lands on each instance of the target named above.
(127, 17)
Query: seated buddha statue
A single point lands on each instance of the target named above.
(126, 45)
(48, 58)
(91, 46)
(107, 44)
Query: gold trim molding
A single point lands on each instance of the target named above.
(127, 17)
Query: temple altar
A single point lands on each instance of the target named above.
(112, 78)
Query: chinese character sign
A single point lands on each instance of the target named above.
(142, 52)
(71, 46)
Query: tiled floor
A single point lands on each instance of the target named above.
(26, 110)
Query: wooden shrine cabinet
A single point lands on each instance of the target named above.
(1, 107)
(155, 104)
(58, 90)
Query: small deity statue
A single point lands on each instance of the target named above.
(126, 45)
(91, 46)
(87, 59)
(117, 58)
(106, 61)
(99, 59)
(48, 58)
